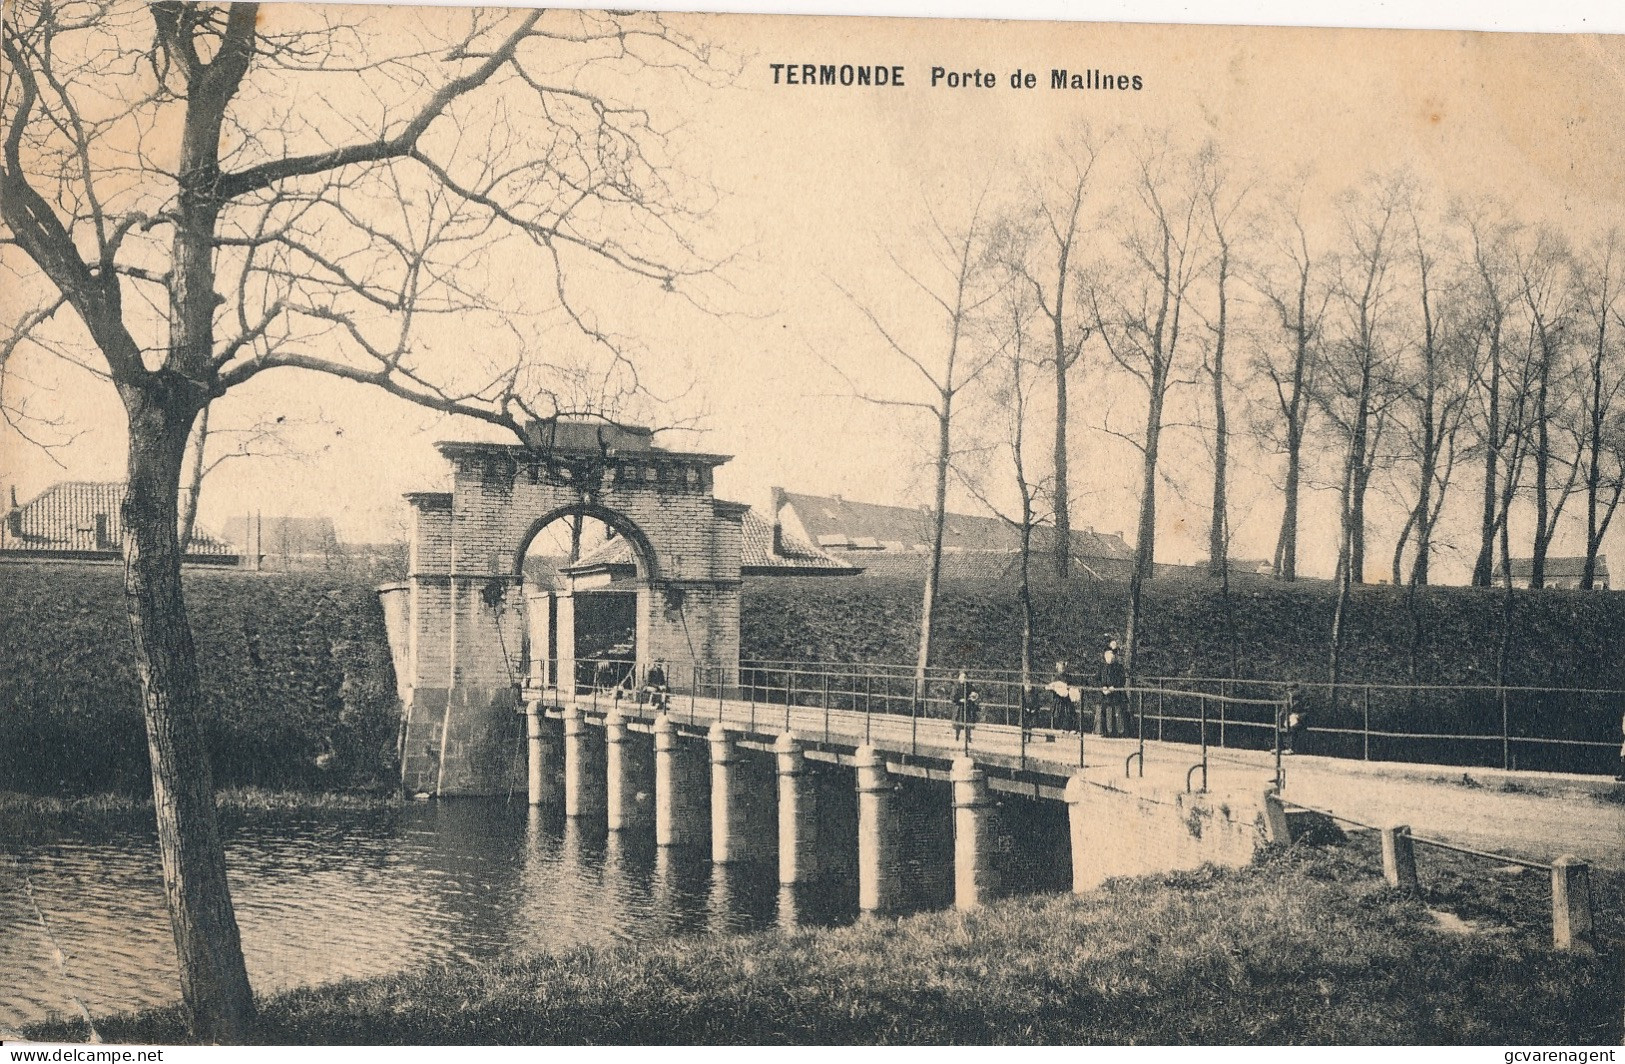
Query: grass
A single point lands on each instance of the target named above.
(1305, 946)
(34, 819)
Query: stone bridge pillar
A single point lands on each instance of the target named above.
(682, 787)
(975, 879)
(629, 757)
(585, 785)
(743, 825)
(879, 885)
(798, 813)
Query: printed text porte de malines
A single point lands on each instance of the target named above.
(897, 76)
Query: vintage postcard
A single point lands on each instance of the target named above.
(555, 527)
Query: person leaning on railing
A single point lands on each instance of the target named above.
(656, 691)
(1291, 720)
(1063, 705)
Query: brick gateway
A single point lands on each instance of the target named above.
(466, 619)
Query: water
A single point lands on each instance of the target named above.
(365, 895)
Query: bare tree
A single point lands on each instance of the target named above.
(270, 436)
(1140, 315)
(1045, 257)
(1221, 203)
(1433, 388)
(1011, 397)
(1498, 392)
(1297, 299)
(219, 191)
(965, 285)
(1546, 286)
(1602, 380)
(1354, 386)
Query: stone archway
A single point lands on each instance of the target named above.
(465, 609)
(553, 638)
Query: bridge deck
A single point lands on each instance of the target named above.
(1534, 815)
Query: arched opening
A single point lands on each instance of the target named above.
(584, 572)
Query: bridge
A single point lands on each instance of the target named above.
(819, 770)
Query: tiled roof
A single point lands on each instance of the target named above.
(80, 516)
(1557, 568)
(756, 550)
(756, 555)
(842, 524)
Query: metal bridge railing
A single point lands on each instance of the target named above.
(1487, 726)
(1040, 720)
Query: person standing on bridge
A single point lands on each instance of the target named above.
(1062, 707)
(1113, 699)
(967, 707)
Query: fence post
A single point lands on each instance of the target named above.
(1365, 726)
(1506, 744)
(1571, 902)
(1204, 742)
(914, 720)
(1399, 857)
(1282, 714)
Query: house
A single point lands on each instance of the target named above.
(1245, 569)
(81, 521)
(1563, 573)
(762, 552)
(896, 540)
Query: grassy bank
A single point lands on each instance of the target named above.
(300, 688)
(34, 819)
(295, 668)
(1262, 629)
(1306, 946)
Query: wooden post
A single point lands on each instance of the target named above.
(1399, 857)
(1571, 903)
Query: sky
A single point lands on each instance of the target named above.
(822, 192)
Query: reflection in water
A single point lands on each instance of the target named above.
(323, 900)
(365, 895)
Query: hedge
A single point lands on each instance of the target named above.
(297, 681)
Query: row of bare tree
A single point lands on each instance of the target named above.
(1391, 341)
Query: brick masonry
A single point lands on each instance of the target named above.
(465, 613)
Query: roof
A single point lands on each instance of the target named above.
(81, 517)
(756, 554)
(858, 526)
(1557, 568)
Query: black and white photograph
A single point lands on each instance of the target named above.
(569, 527)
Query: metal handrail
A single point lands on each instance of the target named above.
(892, 690)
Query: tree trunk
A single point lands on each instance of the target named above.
(1063, 499)
(194, 479)
(214, 980)
(1484, 566)
(1145, 543)
(933, 573)
(1543, 458)
(1218, 548)
(1286, 545)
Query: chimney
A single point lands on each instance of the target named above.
(101, 532)
(779, 503)
(14, 517)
